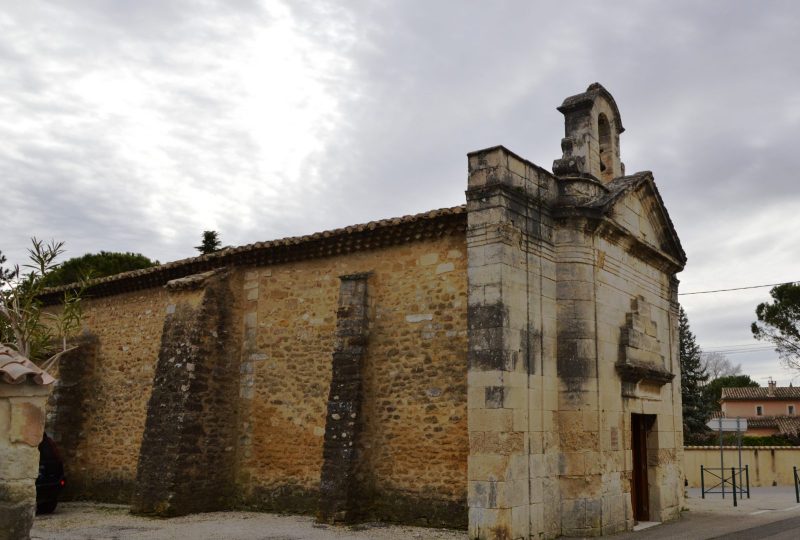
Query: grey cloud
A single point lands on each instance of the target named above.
(707, 91)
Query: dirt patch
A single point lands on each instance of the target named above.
(84, 521)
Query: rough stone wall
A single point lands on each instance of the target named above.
(98, 408)
(412, 451)
(187, 455)
(414, 441)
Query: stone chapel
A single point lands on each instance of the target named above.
(509, 366)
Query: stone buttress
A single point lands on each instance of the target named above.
(338, 487)
(187, 454)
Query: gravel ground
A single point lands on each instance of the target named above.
(74, 521)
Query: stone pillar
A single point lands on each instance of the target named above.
(342, 423)
(187, 455)
(24, 389)
(507, 228)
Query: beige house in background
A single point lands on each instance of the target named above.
(769, 410)
(509, 366)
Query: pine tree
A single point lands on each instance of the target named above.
(211, 243)
(779, 322)
(693, 375)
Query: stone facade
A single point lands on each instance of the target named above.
(510, 366)
(573, 362)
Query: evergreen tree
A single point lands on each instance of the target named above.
(95, 265)
(693, 375)
(211, 243)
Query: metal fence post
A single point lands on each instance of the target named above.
(747, 476)
(703, 482)
(733, 479)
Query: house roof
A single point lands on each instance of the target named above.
(786, 425)
(365, 236)
(762, 393)
(16, 369)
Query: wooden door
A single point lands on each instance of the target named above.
(640, 489)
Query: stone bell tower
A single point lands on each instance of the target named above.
(591, 141)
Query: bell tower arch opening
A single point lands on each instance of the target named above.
(605, 148)
(592, 126)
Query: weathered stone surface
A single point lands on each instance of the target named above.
(186, 460)
(338, 484)
(27, 421)
(21, 422)
(571, 280)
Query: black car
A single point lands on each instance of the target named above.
(51, 479)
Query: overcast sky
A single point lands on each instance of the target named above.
(135, 125)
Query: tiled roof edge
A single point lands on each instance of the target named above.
(365, 236)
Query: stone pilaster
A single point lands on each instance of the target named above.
(188, 447)
(581, 460)
(342, 423)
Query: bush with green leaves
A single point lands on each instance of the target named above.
(38, 334)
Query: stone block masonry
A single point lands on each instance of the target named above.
(509, 243)
(338, 484)
(571, 338)
(23, 393)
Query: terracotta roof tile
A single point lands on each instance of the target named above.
(785, 424)
(16, 369)
(761, 422)
(761, 393)
(365, 236)
(788, 425)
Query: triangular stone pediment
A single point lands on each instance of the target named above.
(635, 205)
